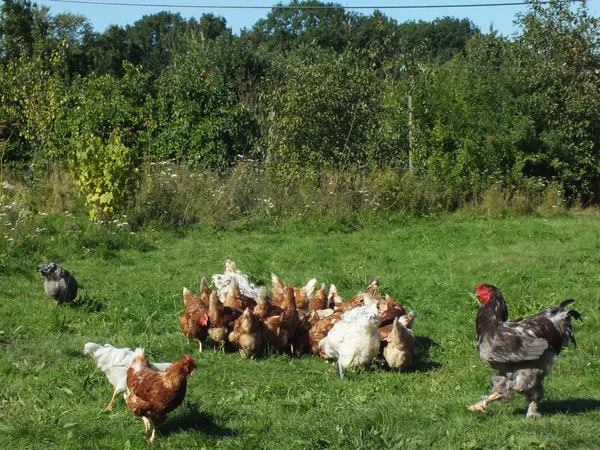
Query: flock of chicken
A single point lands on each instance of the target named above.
(237, 314)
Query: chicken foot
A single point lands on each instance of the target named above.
(482, 405)
(147, 427)
(109, 406)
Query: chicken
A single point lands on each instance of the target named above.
(302, 295)
(223, 281)
(247, 334)
(334, 297)
(320, 329)
(368, 297)
(114, 362)
(264, 307)
(301, 339)
(319, 300)
(389, 309)
(205, 292)
(195, 320)
(152, 395)
(221, 319)
(354, 340)
(279, 330)
(406, 321)
(522, 351)
(59, 283)
(398, 352)
(235, 299)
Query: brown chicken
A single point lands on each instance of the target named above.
(319, 330)
(195, 320)
(264, 307)
(302, 295)
(151, 395)
(368, 297)
(205, 292)
(319, 300)
(398, 352)
(389, 309)
(334, 297)
(247, 334)
(301, 340)
(221, 319)
(235, 299)
(405, 320)
(279, 330)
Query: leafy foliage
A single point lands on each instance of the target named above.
(313, 88)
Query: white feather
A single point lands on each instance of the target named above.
(223, 281)
(114, 362)
(354, 341)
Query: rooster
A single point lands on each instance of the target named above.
(114, 362)
(59, 283)
(152, 395)
(522, 350)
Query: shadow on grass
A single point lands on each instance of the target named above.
(421, 360)
(570, 407)
(194, 420)
(87, 304)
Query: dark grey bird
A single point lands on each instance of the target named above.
(522, 351)
(59, 283)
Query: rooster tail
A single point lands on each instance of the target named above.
(565, 317)
(91, 348)
(566, 303)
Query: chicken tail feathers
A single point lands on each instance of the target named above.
(564, 322)
(566, 303)
(91, 348)
(139, 359)
(574, 315)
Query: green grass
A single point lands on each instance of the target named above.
(52, 396)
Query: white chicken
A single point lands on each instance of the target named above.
(354, 341)
(114, 362)
(223, 281)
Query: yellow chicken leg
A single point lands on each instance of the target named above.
(482, 405)
(153, 436)
(112, 400)
(146, 424)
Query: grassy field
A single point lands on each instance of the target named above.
(52, 396)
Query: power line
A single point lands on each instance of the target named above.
(298, 7)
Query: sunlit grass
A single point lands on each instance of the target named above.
(51, 396)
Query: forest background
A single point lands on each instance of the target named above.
(313, 100)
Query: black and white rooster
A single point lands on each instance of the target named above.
(522, 350)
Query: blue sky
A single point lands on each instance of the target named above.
(101, 16)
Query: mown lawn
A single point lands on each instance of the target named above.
(52, 396)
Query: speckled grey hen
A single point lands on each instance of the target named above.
(59, 283)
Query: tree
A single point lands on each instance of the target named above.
(558, 60)
(291, 26)
(16, 28)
